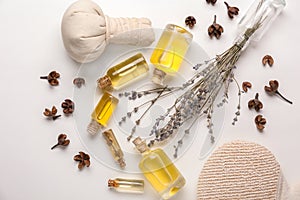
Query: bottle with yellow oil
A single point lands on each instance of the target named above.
(169, 52)
(124, 72)
(159, 170)
(102, 112)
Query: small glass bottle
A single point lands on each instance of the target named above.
(127, 185)
(159, 170)
(263, 12)
(124, 72)
(114, 147)
(169, 52)
(102, 112)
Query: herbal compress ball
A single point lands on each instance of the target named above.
(86, 31)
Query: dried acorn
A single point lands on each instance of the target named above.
(215, 29)
(260, 122)
(211, 1)
(273, 89)
(51, 113)
(255, 103)
(83, 159)
(190, 21)
(231, 11)
(52, 78)
(61, 140)
(68, 106)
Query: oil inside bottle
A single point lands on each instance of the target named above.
(171, 48)
(102, 112)
(124, 72)
(162, 173)
(159, 170)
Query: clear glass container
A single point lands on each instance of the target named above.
(159, 170)
(127, 185)
(169, 52)
(114, 147)
(102, 112)
(263, 12)
(124, 72)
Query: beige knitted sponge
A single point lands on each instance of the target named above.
(241, 170)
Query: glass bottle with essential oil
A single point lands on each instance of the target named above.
(102, 112)
(114, 147)
(169, 52)
(159, 170)
(126, 185)
(124, 72)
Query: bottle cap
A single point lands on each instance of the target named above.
(112, 183)
(93, 127)
(140, 144)
(158, 76)
(104, 82)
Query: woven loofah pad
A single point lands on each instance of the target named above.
(240, 170)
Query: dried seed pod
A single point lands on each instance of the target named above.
(190, 21)
(61, 140)
(260, 122)
(68, 106)
(246, 85)
(52, 78)
(273, 89)
(231, 11)
(79, 82)
(215, 29)
(255, 103)
(83, 159)
(51, 113)
(211, 1)
(268, 59)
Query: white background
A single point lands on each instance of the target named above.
(31, 45)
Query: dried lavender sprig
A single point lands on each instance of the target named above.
(168, 90)
(180, 141)
(137, 122)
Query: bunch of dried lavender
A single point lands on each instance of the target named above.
(199, 97)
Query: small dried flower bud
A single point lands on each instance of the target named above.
(78, 82)
(268, 59)
(215, 29)
(231, 11)
(51, 113)
(68, 106)
(190, 21)
(273, 89)
(246, 85)
(211, 1)
(255, 103)
(62, 140)
(52, 78)
(260, 122)
(83, 159)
